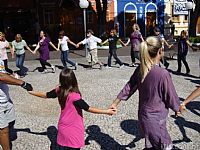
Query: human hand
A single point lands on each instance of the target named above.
(77, 45)
(177, 114)
(170, 46)
(27, 86)
(111, 111)
(182, 108)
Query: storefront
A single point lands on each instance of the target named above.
(146, 14)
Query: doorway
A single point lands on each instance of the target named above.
(130, 19)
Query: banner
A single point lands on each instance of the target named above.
(180, 7)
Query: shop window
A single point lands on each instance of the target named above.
(130, 19)
(198, 26)
(48, 16)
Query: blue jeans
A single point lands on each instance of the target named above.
(20, 64)
(65, 58)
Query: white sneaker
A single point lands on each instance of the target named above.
(16, 75)
(121, 66)
(108, 67)
(53, 68)
(45, 71)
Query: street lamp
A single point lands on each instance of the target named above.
(84, 5)
(189, 7)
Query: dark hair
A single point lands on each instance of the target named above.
(157, 29)
(62, 33)
(90, 31)
(68, 83)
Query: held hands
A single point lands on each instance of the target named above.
(182, 109)
(111, 111)
(170, 45)
(27, 86)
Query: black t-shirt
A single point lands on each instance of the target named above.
(113, 42)
(79, 103)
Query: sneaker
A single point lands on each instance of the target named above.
(101, 67)
(132, 65)
(108, 67)
(53, 68)
(45, 71)
(16, 75)
(121, 66)
(76, 66)
(167, 65)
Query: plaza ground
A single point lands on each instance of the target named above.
(36, 123)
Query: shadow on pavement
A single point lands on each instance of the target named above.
(51, 133)
(182, 123)
(104, 140)
(131, 127)
(182, 74)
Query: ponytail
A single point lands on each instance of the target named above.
(146, 61)
(148, 51)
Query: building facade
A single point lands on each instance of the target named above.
(147, 14)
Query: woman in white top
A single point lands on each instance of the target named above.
(18, 46)
(63, 46)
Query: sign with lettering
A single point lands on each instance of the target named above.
(180, 7)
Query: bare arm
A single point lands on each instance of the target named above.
(38, 94)
(37, 47)
(122, 42)
(110, 111)
(28, 48)
(72, 43)
(128, 41)
(166, 43)
(10, 80)
(104, 42)
(192, 96)
(53, 45)
(11, 50)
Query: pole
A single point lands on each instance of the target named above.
(84, 18)
(189, 22)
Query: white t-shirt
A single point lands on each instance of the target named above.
(19, 47)
(3, 52)
(91, 42)
(4, 94)
(63, 43)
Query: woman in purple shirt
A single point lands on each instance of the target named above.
(156, 95)
(135, 39)
(43, 46)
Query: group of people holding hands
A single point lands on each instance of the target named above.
(157, 93)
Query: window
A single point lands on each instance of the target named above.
(48, 16)
(198, 26)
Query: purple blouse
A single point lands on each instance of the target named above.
(156, 93)
(44, 49)
(136, 38)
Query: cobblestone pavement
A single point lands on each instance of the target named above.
(36, 123)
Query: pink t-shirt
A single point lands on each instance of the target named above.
(70, 124)
(3, 53)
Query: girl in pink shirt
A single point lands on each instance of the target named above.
(70, 124)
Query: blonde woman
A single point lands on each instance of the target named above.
(3, 52)
(135, 39)
(112, 40)
(156, 95)
(18, 46)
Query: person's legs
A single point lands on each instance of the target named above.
(179, 63)
(186, 64)
(21, 63)
(137, 55)
(132, 57)
(6, 66)
(109, 58)
(63, 58)
(116, 58)
(68, 60)
(4, 138)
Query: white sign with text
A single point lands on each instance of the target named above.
(180, 7)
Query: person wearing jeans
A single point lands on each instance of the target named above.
(63, 44)
(18, 45)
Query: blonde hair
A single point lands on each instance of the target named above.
(148, 51)
(3, 36)
(136, 26)
(18, 36)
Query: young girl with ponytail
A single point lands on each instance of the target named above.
(156, 95)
